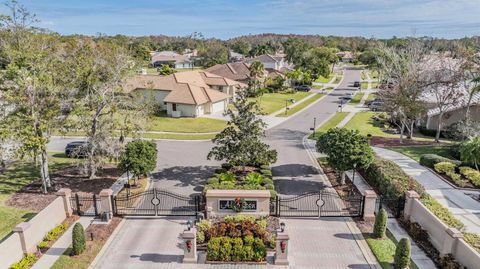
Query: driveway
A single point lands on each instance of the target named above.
(155, 243)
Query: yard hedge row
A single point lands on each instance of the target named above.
(429, 160)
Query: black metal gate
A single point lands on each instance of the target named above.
(393, 206)
(156, 202)
(85, 204)
(323, 203)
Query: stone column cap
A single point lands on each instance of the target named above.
(21, 227)
(64, 192)
(189, 234)
(412, 194)
(454, 232)
(282, 236)
(370, 194)
(106, 192)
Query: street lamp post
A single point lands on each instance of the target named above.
(353, 177)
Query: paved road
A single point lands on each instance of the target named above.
(461, 205)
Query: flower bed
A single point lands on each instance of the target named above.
(237, 238)
(241, 178)
(463, 176)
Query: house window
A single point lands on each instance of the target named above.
(174, 107)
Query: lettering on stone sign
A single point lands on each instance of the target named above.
(250, 205)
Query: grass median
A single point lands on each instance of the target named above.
(331, 123)
(357, 98)
(302, 105)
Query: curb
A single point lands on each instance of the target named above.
(362, 244)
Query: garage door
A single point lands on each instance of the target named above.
(218, 107)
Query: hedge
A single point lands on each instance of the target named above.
(390, 180)
(78, 239)
(429, 160)
(402, 254)
(471, 174)
(441, 212)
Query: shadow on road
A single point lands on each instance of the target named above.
(291, 186)
(183, 176)
(158, 258)
(294, 170)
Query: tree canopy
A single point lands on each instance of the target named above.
(139, 157)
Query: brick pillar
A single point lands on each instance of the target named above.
(452, 236)
(20, 229)
(281, 248)
(369, 205)
(106, 203)
(411, 196)
(189, 246)
(66, 194)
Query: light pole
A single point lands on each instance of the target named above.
(286, 104)
(353, 177)
(314, 124)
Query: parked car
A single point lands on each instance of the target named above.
(303, 88)
(347, 96)
(377, 99)
(356, 84)
(376, 106)
(76, 149)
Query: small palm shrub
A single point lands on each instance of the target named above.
(254, 178)
(402, 254)
(380, 225)
(78, 239)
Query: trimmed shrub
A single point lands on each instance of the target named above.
(265, 167)
(212, 180)
(26, 262)
(441, 212)
(259, 250)
(402, 254)
(266, 172)
(248, 240)
(269, 186)
(273, 193)
(247, 253)
(429, 160)
(390, 180)
(253, 178)
(78, 239)
(237, 249)
(267, 181)
(471, 174)
(226, 177)
(225, 254)
(200, 237)
(213, 249)
(380, 226)
(445, 167)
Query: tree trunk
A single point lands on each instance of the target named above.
(402, 129)
(44, 171)
(411, 129)
(92, 169)
(439, 127)
(342, 180)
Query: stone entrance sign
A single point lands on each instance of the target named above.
(248, 202)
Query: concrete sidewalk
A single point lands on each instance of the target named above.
(51, 256)
(461, 205)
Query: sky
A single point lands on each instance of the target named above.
(231, 18)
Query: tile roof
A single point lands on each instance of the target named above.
(234, 71)
(191, 87)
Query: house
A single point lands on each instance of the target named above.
(235, 71)
(274, 62)
(173, 59)
(346, 56)
(186, 94)
(454, 113)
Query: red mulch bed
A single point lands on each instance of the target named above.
(31, 197)
(393, 142)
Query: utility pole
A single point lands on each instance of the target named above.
(314, 124)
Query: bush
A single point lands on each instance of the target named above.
(213, 249)
(266, 172)
(248, 240)
(42, 244)
(270, 187)
(471, 174)
(237, 249)
(247, 253)
(265, 167)
(200, 237)
(226, 177)
(402, 254)
(259, 250)
(267, 181)
(429, 160)
(25, 263)
(78, 239)
(390, 180)
(380, 226)
(430, 132)
(253, 178)
(445, 167)
(441, 212)
(227, 166)
(212, 180)
(225, 254)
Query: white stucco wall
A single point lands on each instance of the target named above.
(186, 110)
(218, 107)
(157, 95)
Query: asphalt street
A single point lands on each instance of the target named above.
(182, 166)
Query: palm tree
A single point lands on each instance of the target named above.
(470, 151)
(256, 72)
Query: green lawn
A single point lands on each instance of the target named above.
(273, 102)
(322, 79)
(371, 96)
(383, 249)
(331, 123)
(79, 262)
(357, 98)
(374, 84)
(302, 105)
(185, 125)
(365, 125)
(12, 179)
(415, 152)
(178, 136)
